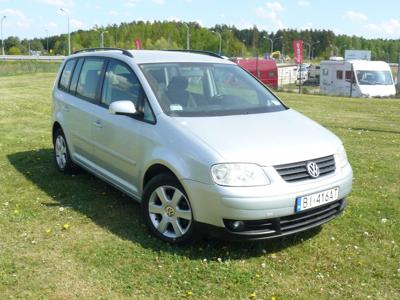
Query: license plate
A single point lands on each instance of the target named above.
(317, 199)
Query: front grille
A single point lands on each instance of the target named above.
(298, 171)
(292, 223)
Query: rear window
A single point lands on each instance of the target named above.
(66, 75)
(89, 78)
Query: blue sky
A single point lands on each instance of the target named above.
(370, 19)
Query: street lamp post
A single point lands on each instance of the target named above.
(310, 45)
(312, 50)
(309, 50)
(335, 48)
(69, 35)
(344, 49)
(1, 29)
(116, 38)
(220, 41)
(187, 36)
(272, 42)
(102, 38)
(47, 41)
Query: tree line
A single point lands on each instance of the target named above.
(318, 44)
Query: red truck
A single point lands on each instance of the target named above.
(264, 69)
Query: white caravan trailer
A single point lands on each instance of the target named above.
(356, 78)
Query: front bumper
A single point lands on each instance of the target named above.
(277, 227)
(212, 204)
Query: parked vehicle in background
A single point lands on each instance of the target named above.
(265, 70)
(313, 75)
(302, 73)
(356, 78)
(199, 142)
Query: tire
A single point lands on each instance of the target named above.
(62, 157)
(167, 211)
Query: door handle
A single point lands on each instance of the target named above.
(98, 124)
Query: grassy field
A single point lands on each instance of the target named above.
(11, 68)
(75, 237)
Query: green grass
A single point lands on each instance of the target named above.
(11, 68)
(107, 253)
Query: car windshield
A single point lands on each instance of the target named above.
(374, 77)
(206, 89)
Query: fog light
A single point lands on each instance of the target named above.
(237, 225)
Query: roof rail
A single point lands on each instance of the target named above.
(210, 53)
(124, 51)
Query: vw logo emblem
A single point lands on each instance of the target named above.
(312, 169)
(170, 211)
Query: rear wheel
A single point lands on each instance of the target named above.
(167, 210)
(61, 154)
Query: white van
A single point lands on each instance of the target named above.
(356, 78)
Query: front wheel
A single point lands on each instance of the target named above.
(167, 210)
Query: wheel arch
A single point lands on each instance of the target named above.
(56, 126)
(156, 169)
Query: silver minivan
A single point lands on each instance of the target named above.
(201, 143)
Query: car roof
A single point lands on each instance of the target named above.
(159, 56)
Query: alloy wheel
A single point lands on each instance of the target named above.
(170, 211)
(61, 152)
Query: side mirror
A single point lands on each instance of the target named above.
(123, 107)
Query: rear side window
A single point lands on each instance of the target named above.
(89, 78)
(66, 75)
(75, 76)
(120, 83)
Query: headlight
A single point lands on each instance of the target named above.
(342, 156)
(239, 175)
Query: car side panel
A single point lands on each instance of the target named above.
(120, 145)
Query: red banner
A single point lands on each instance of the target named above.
(298, 51)
(138, 44)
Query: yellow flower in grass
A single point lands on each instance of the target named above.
(65, 226)
(273, 298)
(189, 293)
(252, 296)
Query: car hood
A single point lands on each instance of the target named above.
(378, 90)
(266, 139)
